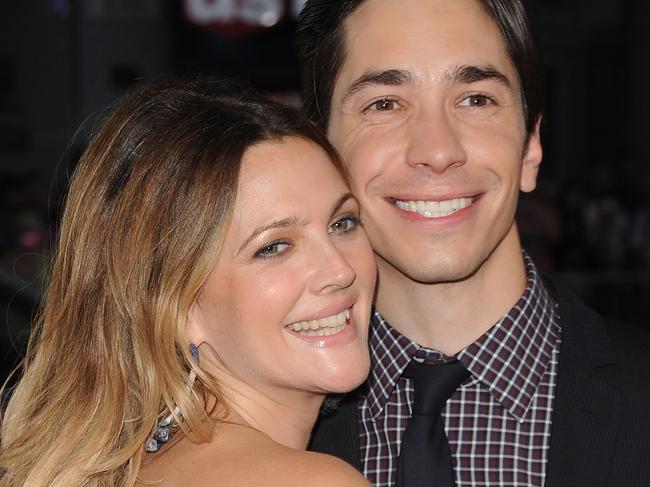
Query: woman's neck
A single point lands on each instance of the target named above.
(287, 416)
(289, 426)
(287, 419)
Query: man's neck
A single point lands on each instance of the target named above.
(450, 316)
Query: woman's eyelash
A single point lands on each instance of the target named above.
(272, 249)
(350, 221)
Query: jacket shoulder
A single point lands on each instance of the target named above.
(599, 341)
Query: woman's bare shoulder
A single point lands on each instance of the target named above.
(248, 459)
(317, 469)
(285, 466)
(273, 465)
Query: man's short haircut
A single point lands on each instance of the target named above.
(321, 47)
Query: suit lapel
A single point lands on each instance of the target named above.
(587, 407)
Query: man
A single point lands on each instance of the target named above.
(435, 108)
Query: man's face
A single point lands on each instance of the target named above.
(427, 115)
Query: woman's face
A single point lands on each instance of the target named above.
(286, 305)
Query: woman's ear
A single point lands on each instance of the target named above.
(195, 324)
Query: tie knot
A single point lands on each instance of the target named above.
(434, 384)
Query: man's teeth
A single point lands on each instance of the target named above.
(434, 209)
(323, 327)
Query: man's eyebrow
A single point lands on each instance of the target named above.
(291, 221)
(388, 77)
(473, 74)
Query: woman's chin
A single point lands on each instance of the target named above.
(348, 378)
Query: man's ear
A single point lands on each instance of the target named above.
(531, 160)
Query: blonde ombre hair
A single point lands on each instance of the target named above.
(145, 217)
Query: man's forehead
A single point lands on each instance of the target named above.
(418, 35)
(388, 31)
(377, 15)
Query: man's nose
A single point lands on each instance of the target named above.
(434, 141)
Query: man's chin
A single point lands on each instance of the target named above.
(438, 270)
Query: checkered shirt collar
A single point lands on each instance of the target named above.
(509, 359)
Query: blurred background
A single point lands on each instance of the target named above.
(63, 62)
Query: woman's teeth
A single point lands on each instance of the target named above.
(434, 209)
(323, 327)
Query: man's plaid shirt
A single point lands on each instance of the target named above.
(498, 422)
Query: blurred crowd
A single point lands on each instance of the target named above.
(600, 222)
(27, 226)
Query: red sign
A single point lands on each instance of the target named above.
(238, 17)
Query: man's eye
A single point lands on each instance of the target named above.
(271, 250)
(344, 224)
(384, 105)
(476, 101)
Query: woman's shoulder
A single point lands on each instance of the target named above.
(271, 464)
(316, 469)
(249, 459)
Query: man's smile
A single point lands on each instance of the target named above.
(434, 209)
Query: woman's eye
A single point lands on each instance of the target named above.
(383, 105)
(344, 224)
(271, 250)
(477, 101)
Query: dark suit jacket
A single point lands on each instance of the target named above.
(600, 434)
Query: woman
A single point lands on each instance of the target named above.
(212, 284)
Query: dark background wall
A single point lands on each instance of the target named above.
(62, 62)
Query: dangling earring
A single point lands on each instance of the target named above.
(194, 350)
(166, 426)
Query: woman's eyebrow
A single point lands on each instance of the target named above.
(291, 221)
(341, 201)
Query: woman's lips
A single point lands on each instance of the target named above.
(329, 325)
